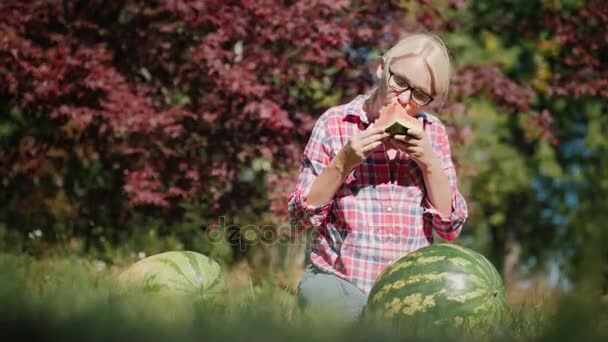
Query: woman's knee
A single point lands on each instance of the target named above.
(328, 292)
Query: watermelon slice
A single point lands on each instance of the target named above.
(395, 120)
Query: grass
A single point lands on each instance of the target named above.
(72, 299)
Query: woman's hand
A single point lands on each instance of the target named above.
(417, 145)
(360, 146)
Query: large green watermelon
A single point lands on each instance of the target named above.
(438, 284)
(181, 273)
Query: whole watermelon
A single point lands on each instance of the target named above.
(438, 284)
(176, 273)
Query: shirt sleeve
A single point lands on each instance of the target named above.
(447, 227)
(316, 156)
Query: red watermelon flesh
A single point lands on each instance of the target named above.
(395, 119)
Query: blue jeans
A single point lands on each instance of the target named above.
(330, 294)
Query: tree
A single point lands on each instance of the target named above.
(172, 114)
(561, 52)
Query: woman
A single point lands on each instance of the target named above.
(373, 198)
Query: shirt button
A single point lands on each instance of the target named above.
(389, 209)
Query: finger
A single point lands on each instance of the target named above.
(416, 133)
(378, 134)
(371, 147)
(414, 152)
(409, 142)
(390, 143)
(371, 130)
(402, 137)
(400, 145)
(410, 149)
(373, 138)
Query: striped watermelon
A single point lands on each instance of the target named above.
(395, 119)
(438, 284)
(181, 273)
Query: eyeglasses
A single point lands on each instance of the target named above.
(399, 84)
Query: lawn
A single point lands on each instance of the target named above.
(73, 298)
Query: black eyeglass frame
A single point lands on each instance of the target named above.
(408, 87)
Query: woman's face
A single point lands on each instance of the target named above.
(412, 71)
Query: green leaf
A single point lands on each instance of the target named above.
(7, 130)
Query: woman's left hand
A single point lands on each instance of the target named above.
(418, 146)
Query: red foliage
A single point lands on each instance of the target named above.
(175, 98)
(510, 96)
(583, 56)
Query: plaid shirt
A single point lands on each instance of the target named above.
(371, 221)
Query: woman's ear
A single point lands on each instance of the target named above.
(380, 69)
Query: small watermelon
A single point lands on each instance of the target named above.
(438, 284)
(395, 119)
(176, 273)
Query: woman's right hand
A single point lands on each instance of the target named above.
(361, 145)
(326, 184)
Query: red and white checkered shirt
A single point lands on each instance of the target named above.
(371, 221)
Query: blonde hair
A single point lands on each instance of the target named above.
(432, 49)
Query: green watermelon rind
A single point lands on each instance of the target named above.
(396, 128)
(412, 289)
(206, 283)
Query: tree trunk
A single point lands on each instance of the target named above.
(511, 261)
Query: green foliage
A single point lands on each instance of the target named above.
(541, 197)
(501, 180)
(488, 48)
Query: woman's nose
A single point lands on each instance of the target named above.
(404, 97)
